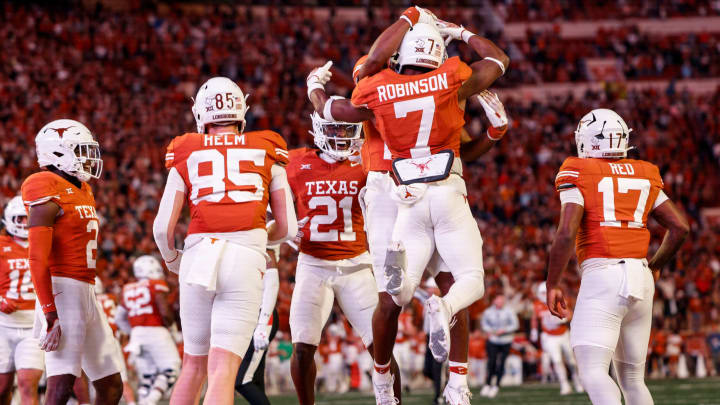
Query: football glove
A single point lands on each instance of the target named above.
(261, 336)
(7, 305)
(495, 111)
(318, 77)
(414, 15)
(453, 32)
(174, 264)
(50, 338)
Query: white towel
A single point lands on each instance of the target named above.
(633, 284)
(204, 272)
(409, 194)
(39, 323)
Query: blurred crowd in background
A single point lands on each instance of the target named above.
(129, 77)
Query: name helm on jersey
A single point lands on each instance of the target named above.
(219, 101)
(15, 218)
(147, 267)
(602, 133)
(339, 140)
(70, 147)
(422, 46)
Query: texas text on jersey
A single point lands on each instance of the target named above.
(139, 300)
(16, 283)
(618, 196)
(227, 177)
(327, 194)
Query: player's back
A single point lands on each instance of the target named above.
(375, 154)
(327, 194)
(416, 114)
(227, 177)
(139, 300)
(618, 196)
(16, 283)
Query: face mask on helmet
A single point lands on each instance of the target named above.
(602, 133)
(15, 218)
(339, 140)
(422, 46)
(219, 101)
(71, 148)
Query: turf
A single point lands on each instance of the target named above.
(665, 392)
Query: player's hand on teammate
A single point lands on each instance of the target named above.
(495, 111)
(261, 337)
(174, 264)
(556, 302)
(51, 339)
(318, 77)
(7, 305)
(414, 15)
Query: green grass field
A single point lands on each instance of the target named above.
(665, 392)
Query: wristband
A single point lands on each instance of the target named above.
(177, 254)
(500, 64)
(465, 35)
(411, 15)
(314, 86)
(496, 134)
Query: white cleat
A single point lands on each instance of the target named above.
(457, 395)
(394, 268)
(565, 389)
(485, 391)
(493, 391)
(384, 394)
(578, 387)
(439, 318)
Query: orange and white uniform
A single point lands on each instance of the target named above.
(612, 243)
(418, 117)
(108, 303)
(18, 348)
(227, 180)
(333, 261)
(87, 341)
(555, 343)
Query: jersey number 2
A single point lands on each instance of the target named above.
(606, 187)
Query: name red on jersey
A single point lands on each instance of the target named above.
(327, 194)
(139, 300)
(15, 281)
(549, 323)
(76, 228)
(619, 195)
(416, 114)
(227, 177)
(375, 154)
(108, 304)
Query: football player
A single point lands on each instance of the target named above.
(227, 177)
(145, 309)
(417, 107)
(69, 322)
(606, 202)
(554, 340)
(333, 261)
(19, 351)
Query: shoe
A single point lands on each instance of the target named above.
(565, 388)
(485, 391)
(493, 391)
(384, 394)
(394, 268)
(578, 387)
(439, 318)
(457, 395)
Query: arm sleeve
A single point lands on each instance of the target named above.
(572, 195)
(161, 225)
(271, 285)
(121, 319)
(40, 238)
(280, 182)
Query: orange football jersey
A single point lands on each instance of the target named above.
(327, 195)
(227, 177)
(549, 323)
(375, 154)
(15, 282)
(76, 228)
(139, 300)
(416, 114)
(109, 306)
(618, 195)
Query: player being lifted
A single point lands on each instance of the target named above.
(416, 106)
(606, 201)
(145, 311)
(227, 177)
(69, 322)
(19, 351)
(333, 261)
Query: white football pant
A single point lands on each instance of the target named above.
(19, 350)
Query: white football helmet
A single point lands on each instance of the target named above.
(70, 147)
(339, 140)
(219, 100)
(602, 133)
(15, 218)
(148, 267)
(422, 46)
(541, 292)
(98, 287)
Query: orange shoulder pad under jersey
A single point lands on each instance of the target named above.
(618, 196)
(227, 177)
(549, 323)
(139, 300)
(375, 154)
(109, 306)
(327, 195)
(15, 280)
(416, 114)
(76, 228)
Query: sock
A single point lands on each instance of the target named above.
(458, 374)
(382, 372)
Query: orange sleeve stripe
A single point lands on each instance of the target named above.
(40, 238)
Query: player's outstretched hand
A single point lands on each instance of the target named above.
(261, 337)
(495, 111)
(318, 77)
(174, 264)
(7, 305)
(556, 302)
(51, 340)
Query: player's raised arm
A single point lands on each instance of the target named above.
(472, 149)
(169, 211)
(668, 215)
(332, 108)
(561, 250)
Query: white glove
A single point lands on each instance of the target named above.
(51, 339)
(494, 108)
(261, 336)
(174, 264)
(318, 77)
(427, 16)
(451, 32)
